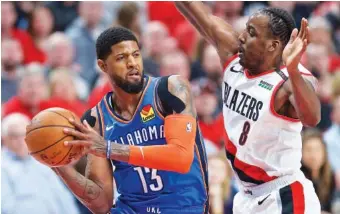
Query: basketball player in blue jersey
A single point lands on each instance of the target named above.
(143, 134)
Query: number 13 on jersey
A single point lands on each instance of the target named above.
(155, 180)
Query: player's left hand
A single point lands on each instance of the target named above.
(87, 137)
(296, 46)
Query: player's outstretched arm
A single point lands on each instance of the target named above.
(95, 189)
(214, 29)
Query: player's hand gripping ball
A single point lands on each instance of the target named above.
(45, 138)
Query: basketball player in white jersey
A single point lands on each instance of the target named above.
(268, 96)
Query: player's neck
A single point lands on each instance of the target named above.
(124, 101)
(266, 66)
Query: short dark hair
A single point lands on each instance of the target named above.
(112, 36)
(281, 23)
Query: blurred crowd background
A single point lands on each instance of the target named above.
(48, 59)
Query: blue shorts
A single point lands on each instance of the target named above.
(122, 208)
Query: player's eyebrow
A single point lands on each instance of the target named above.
(126, 53)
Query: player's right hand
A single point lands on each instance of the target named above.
(87, 137)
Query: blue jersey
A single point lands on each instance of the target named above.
(146, 190)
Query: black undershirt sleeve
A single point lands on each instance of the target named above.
(89, 118)
(168, 102)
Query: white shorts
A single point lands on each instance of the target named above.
(285, 195)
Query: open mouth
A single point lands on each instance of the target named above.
(133, 73)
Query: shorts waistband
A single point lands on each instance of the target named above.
(270, 186)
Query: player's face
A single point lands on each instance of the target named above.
(254, 42)
(125, 67)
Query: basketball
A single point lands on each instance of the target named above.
(45, 138)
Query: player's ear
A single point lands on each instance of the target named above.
(102, 65)
(274, 45)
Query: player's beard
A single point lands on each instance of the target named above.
(131, 88)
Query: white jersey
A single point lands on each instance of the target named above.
(261, 144)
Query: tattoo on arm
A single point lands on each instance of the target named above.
(120, 152)
(181, 88)
(86, 190)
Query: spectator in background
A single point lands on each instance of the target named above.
(331, 11)
(24, 9)
(317, 63)
(64, 12)
(32, 90)
(175, 63)
(214, 72)
(63, 92)
(166, 13)
(103, 87)
(111, 9)
(221, 190)
(321, 32)
(40, 27)
(8, 17)
(11, 59)
(332, 136)
(204, 93)
(83, 33)
(240, 24)
(8, 30)
(336, 85)
(286, 5)
(128, 16)
(27, 186)
(208, 65)
(60, 54)
(316, 167)
(154, 35)
(228, 10)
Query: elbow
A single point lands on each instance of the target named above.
(103, 209)
(312, 121)
(184, 163)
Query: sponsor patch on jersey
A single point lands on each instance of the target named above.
(266, 85)
(147, 113)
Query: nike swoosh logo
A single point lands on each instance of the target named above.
(234, 71)
(108, 128)
(261, 202)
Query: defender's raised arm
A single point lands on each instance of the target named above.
(214, 29)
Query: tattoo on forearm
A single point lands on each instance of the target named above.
(86, 190)
(91, 191)
(120, 152)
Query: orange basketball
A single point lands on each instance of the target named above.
(45, 138)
